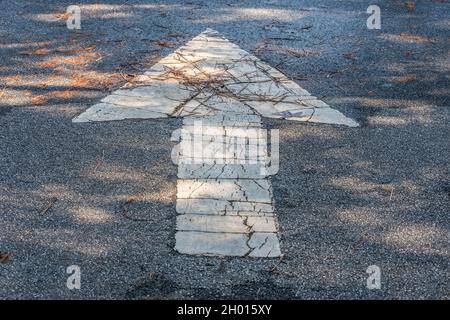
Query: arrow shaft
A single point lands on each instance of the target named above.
(224, 199)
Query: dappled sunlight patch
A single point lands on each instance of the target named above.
(25, 44)
(97, 80)
(389, 191)
(162, 195)
(79, 81)
(245, 14)
(362, 164)
(404, 79)
(439, 65)
(399, 67)
(104, 170)
(66, 56)
(416, 38)
(10, 80)
(295, 52)
(60, 78)
(361, 186)
(39, 100)
(69, 240)
(82, 50)
(387, 120)
(36, 52)
(91, 215)
(408, 38)
(54, 190)
(288, 135)
(48, 17)
(65, 94)
(13, 98)
(360, 217)
(210, 63)
(80, 60)
(40, 82)
(62, 15)
(378, 102)
(18, 98)
(269, 13)
(115, 15)
(21, 98)
(100, 11)
(54, 81)
(359, 183)
(420, 238)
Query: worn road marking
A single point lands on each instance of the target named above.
(224, 195)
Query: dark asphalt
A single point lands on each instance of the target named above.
(102, 195)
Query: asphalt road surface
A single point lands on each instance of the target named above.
(102, 195)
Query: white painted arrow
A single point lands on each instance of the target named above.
(224, 196)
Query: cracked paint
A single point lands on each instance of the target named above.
(224, 197)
